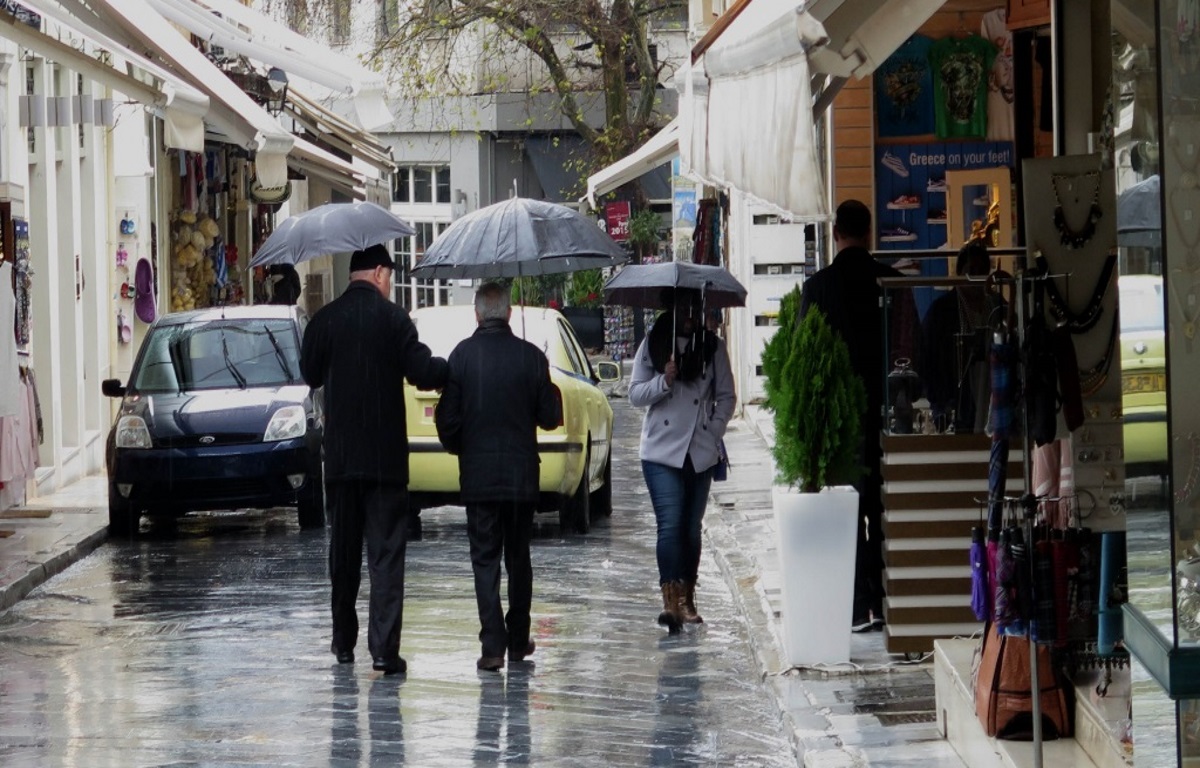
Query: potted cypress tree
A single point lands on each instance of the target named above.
(817, 402)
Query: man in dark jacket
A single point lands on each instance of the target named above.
(360, 348)
(498, 394)
(847, 292)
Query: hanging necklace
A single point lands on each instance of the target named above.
(1193, 473)
(1189, 322)
(1078, 322)
(1076, 238)
(1092, 379)
(1183, 210)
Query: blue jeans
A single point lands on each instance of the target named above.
(679, 497)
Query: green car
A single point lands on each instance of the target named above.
(1143, 375)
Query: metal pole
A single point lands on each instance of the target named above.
(1029, 505)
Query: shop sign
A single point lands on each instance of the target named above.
(616, 216)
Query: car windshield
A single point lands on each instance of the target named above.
(1141, 306)
(442, 331)
(218, 354)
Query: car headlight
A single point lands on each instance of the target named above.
(132, 432)
(288, 422)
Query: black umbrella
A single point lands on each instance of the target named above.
(640, 285)
(519, 238)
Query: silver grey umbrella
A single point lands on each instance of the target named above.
(1139, 221)
(330, 228)
(641, 285)
(519, 238)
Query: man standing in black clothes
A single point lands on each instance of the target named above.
(847, 292)
(498, 394)
(359, 348)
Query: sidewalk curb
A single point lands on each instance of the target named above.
(40, 572)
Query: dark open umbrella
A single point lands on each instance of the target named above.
(519, 238)
(640, 285)
(330, 228)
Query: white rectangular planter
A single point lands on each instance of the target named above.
(817, 547)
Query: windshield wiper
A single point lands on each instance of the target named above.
(279, 354)
(237, 375)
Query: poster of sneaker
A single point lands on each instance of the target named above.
(910, 188)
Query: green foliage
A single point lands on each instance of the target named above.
(539, 291)
(643, 228)
(816, 399)
(586, 289)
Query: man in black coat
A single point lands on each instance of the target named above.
(359, 348)
(498, 394)
(847, 292)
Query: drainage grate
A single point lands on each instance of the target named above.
(906, 718)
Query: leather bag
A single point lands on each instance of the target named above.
(1003, 700)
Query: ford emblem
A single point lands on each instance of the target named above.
(208, 440)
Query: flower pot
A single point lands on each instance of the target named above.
(817, 545)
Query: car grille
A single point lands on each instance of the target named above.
(207, 441)
(200, 490)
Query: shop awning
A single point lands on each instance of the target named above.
(338, 132)
(308, 158)
(864, 33)
(182, 107)
(658, 149)
(234, 113)
(257, 36)
(745, 111)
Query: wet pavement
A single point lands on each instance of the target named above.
(206, 643)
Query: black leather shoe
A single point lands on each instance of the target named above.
(519, 655)
(490, 663)
(343, 656)
(861, 625)
(396, 666)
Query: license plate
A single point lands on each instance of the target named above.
(1132, 383)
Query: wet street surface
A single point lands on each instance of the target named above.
(207, 643)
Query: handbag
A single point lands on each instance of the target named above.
(1003, 699)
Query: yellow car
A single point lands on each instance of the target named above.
(1143, 374)
(576, 472)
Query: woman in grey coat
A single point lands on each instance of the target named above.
(681, 375)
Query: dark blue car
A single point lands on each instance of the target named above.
(216, 416)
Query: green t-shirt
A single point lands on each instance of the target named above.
(960, 84)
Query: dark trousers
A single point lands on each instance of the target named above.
(495, 529)
(380, 512)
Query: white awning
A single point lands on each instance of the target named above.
(182, 106)
(271, 42)
(233, 112)
(746, 112)
(864, 33)
(307, 157)
(337, 132)
(658, 149)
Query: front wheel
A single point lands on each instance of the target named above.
(310, 507)
(574, 512)
(602, 496)
(123, 518)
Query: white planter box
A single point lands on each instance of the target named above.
(817, 547)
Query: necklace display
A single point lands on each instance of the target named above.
(1092, 379)
(1184, 210)
(1189, 322)
(1076, 238)
(1193, 474)
(1078, 322)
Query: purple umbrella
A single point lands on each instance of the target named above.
(980, 601)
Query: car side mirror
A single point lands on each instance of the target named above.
(112, 388)
(608, 371)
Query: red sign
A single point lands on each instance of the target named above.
(617, 217)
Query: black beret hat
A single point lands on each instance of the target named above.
(371, 257)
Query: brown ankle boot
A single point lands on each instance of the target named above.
(672, 595)
(688, 609)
